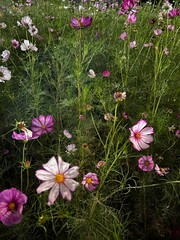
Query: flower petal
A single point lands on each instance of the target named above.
(147, 130)
(53, 194)
(45, 186)
(11, 218)
(65, 192)
(143, 145)
(135, 143)
(72, 172)
(44, 175)
(147, 139)
(71, 184)
(139, 126)
(51, 166)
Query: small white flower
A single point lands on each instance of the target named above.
(71, 148)
(5, 55)
(33, 30)
(5, 74)
(67, 134)
(91, 73)
(25, 22)
(26, 45)
(3, 25)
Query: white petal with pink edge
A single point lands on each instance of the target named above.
(147, 139)
(65, 192)
(44, 175)
(72, 172)
(147, 130)
(51, 166)
(71, 184)
(53, 194)
(45, 186)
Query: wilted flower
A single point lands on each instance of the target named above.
(83, 22)
(5, 55)
(42, 125)
(15, 43)
(123, 36)
(90, 181)
(23, 136)
(133, 44)
(57, 176)
(119, 96)
(141, 135)
(161, 171)
(81, 117)
(166, 51)
(125, 115)
(172, 128)
(108, 117)
(26, 45)
(25, 22)
(146, 164)
(100, 164)
(11, 206)
(178, 133)
(33, 30)
(5, 74)
(131, 18)
(67, 134)
(106, 73)
(88, 107)
(91, 73)
(157, 32)
(3, 25)
(71, 148)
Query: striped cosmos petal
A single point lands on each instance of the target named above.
(45, 186)
(65, 192)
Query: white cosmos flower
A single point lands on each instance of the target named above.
(33, 30)
(25, 22)
(58, 177)
(26, 45)
(5, 74)
(5, 55)
(71, 148)
(91, 73)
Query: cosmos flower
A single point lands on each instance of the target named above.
(141, 135)
(33, 30)
(157, 32)
(22, 136)
(15, 43)
(91, 73)
(148, 44)
(108, 117)
(178, 133)
(5, 55)
(171, 27)
(83, 22)
(100, 164)
(131, 18)
(67, 134)
(161, 171)
(106, 73)
(5, 74)
(3, 25)
(25, 22)
(119, 96)
(132, 44)
(123, 36)
(57, 176)
(146, 164)
(26, 45)
(11, 206)
(71, 148)
(174, 12)
(90, 181)
(42, 125)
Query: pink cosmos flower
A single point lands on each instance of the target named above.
(81, 117)
(25, 22)
(119, 96)
(131, 18)
(125, 115)
(100, 164)
(106, 73)
(15, 43)
(5, 55)
(133, 44)
(178, 133)
(11, 206)
(141, 135)
(22, 136)
(170, 27)
(42, 125)
(90, 181)
(157, 32)
(161, 171)
(123, 36)
(67, 134)
(174, 12)
(146, 164)
(58, 177)
(26, 45)
(83, 22)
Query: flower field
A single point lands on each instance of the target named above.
(90, 120)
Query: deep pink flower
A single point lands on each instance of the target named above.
(146, 164)
(174, 12)
(11, 206)
(58, 177)
(23, 136)
(83, 22)
(127, 5)
(131, 18)
(141, 135)
(161, 171)
(123, 36)
(178, 133)
(106, 73)
(90, 181)
(42, 124)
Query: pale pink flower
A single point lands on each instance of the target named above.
(81, 117)
(133, 44)
(131, 18)
(146, 164)
(170, 27)
(71, 148)
(5, 55)
(67, 134)
(23, 136)
(148, 44)
(178, 133)
(5, 74)
(15, 43)
(106, 73)
(90, 181)
(125, 115)
(108, 117)
(161, 171)
(123, 36)
(91, 73)
(57, 176)
(25, 22)
(157, 32)
(141, 135)
(26, 45)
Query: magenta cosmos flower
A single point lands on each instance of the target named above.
(11, 206)
(161, 171)
(58, 177)
(90, 181)
(83, 22)
(42, 124)
(106, 73)
(146, 164)
(141, 135)
(23, 136)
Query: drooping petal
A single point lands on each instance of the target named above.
(65, 192)
(71, 184)
(44, 175)
(72, 172)
(53, 194)
(51, 166)
(45, 186)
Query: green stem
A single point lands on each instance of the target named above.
(22, 164)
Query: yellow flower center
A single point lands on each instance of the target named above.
(12, 206)
(88, 180)
(137, 135)
(43, 126)
(59, 178)
(147, 163)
